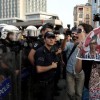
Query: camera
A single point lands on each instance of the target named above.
(68, 25)
(96, 17)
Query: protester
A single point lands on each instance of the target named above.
(74, 81)
(92, 71)
(92, 54)
(83, 31)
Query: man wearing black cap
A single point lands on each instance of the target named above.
(46, 63)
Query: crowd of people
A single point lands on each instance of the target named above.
(49, 56)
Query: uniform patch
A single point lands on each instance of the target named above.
(36, 44)
(41, 59)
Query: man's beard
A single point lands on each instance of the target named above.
(74, 38)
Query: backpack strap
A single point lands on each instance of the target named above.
(74, 47)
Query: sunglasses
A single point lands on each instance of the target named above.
(79, 30)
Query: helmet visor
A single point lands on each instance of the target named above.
(14, 36)
(31, 33)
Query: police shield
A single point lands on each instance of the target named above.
(7, 71)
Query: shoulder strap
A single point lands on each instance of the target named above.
(72, 51)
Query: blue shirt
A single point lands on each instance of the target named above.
(70, 67)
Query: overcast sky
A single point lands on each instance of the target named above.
(64, 9)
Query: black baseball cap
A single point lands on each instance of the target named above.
(49, 34)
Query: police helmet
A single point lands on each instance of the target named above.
(39, 30)
(61, 36)
(1, 27)
(31, 31)
(11, 32)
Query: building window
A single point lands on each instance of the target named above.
(87, 22)
(80, 10)
(80, 22)
(87, 15)
(80, 15)
(87, 9)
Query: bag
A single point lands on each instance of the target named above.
(94, 83)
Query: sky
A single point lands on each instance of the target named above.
(64, 9)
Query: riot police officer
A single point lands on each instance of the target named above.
(9, 37)
(30, 36)
(3, 49)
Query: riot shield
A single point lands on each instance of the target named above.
(7, 76)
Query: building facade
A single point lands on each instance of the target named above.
(82, 14)
(41, 16)
(36, 6)
(11, 11)
(95, 10)
(16, 10)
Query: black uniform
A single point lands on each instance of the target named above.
(45, 80)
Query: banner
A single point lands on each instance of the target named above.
(90, 48)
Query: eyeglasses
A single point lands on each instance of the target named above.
(79, 30)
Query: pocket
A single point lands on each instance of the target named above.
(81, 72)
